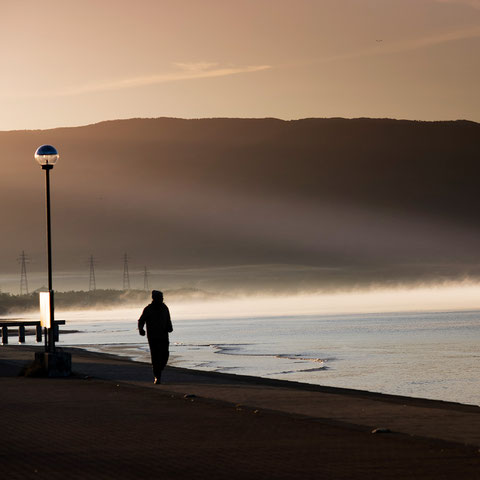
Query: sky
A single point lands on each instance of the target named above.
(68, 63)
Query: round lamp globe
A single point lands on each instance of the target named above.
(46, 155)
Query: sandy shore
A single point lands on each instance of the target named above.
(110, 421)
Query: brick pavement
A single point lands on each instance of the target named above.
(125, 427)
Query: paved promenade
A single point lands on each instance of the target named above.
(110, 421)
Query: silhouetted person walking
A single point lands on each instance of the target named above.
(157, 318)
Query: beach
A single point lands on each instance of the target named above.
(109, 421)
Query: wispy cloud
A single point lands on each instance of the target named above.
(196, 66)
(183, 71)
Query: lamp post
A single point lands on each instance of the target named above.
(47, 157)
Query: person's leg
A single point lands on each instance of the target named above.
(164, 356)
(157, 360)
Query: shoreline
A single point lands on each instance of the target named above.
(259, 380)
(344, 352)
(275, 381)
(292, 384)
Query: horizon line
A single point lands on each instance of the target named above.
(99, 122)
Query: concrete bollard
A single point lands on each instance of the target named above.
(58, 364)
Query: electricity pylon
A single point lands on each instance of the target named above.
(126, 276)
(146, 273)
(92, 284)
(23, 259)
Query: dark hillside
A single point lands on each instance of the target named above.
(234, 191)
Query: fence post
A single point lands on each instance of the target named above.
(38, 332)
(21, 334)
(4, 335)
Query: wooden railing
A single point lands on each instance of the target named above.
(6, 324)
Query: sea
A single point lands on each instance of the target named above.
(423, 354)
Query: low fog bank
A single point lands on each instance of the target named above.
(298, 279)
(440, 298)
(272, 279)
(95, 300)
(279, 290)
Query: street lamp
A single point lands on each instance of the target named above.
(47, 157)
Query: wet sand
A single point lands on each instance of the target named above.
(109, 421)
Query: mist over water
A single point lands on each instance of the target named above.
(288, 280)
(423, 298)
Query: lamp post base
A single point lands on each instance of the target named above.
(56, 364)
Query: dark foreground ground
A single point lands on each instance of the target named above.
(109, 422)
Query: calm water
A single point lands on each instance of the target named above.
(430, 355)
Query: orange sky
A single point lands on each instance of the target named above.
(65, 62)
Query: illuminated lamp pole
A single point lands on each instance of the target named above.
(47, 157)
